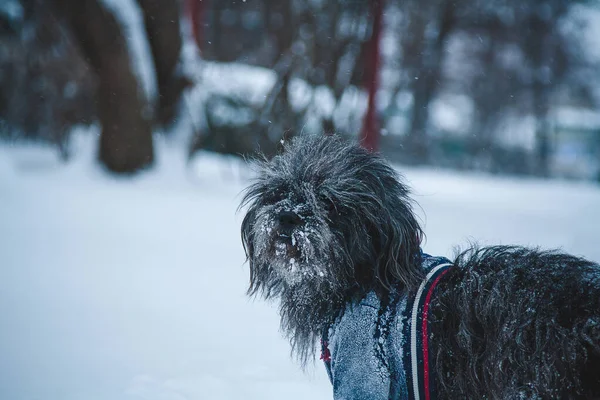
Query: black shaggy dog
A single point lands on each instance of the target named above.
(331, 234)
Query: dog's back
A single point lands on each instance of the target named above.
(512, 322)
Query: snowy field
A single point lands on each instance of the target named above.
(134, 288)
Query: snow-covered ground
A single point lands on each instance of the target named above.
(134, 288)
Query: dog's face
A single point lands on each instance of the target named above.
(330, 215)
(292, 233)
(292, 230)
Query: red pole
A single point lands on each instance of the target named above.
(195, 10)
(370, 131)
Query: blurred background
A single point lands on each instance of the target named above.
(501, 86)
(125, 126)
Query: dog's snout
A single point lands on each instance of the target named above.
(288, 220)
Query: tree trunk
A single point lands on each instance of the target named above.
(541, 56)
(370, 133)
(485, 97)
(163, 29)
(126, 138)
(542, 129)
(427, 73)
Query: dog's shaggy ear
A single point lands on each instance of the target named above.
(252, 200)
(400, 239)
(392, 226)
(247, 228)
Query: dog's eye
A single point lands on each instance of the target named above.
(328, 205)
(274, 195)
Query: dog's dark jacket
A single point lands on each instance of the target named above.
(361, 364)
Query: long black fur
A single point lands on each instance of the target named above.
(518, 323)
(327, 222)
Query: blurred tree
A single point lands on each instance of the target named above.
(337, 63)
(46, 86)
(126, 138)
(163, 30)
(529, 31)
(503, 59)
(547, 62)
(319, 43)
(430, 24)
(513, 57)
(370, 133)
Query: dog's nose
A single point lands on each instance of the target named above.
(288, 220)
